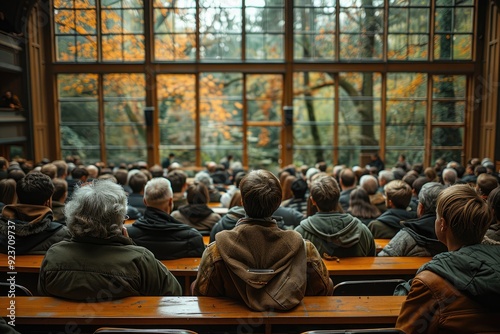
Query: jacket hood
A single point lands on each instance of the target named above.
(155, 219)
(394, 217)
(29, 219)
(196, 212)
(229, 220)
(423, 232)
(243, 256)
(342, 229)
(474, 270)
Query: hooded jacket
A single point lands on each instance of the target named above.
(265, 267)
(166, 237)
(337, 234)
(492, 236)
(33, 228)
(456, 292)
(199, 216)
(286, 218)
(389, 223)
(92, 269)
(416, 238)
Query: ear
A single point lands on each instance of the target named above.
(420, 209)
(48, 203)
(443, 225)
(144, 201)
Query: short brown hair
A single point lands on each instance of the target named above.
(260, 193)
(197, 193)
(466, 213)
(399, 192)
(486, 183)
(325, 192)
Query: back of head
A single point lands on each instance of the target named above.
(399, 192)
(299, 188)
(347, 177)
(419, 183)
(137, 182)
(409, 178)
(93, 171)
(449, 176)
(467, 214)
(386, 176)
(197, 193)
(486, 183)
(156, 171)
(79, 172)
(60, 189)
(177, 180)
(325, 192)
(7, 191)
(359, 194)
(238, 178)
(62, 168)
(97, 210)
(430, 173)
(260, 193)
(121, 176)
(204, 177)
(398, 173)
(369, 183)
(428, 196)
(50, 170)
(35, 189)
(494, 202)
(157, 191)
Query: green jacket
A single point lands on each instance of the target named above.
(337, 234)
(93, 269)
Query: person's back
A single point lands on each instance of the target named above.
(457, 291)
(31, 218)
(418, 236)
(101, 261)
(258, 263)
(334, 234)
(398, 196)
(137, 182)
(158, 231)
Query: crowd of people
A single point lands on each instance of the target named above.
(268, 249)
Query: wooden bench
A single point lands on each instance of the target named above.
(202, 314)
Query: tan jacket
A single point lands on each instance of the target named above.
(262, 265)
(434, 305)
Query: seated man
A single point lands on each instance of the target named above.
(159, 232)
(398, 196)
(101, 261)
(334, 234)
(257, 262)
(31, 219)
(418, 236)
(457, 291)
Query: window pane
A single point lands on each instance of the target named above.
(449, 98)
(176, 106)
(221, 110)
(265, 31)
(454, 27)
(264, 96)
(264, 148)
(314, 30)
(447, 136)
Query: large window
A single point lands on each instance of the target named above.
(354, 76)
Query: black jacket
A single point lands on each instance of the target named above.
(166, 237)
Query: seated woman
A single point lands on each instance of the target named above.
(457, 291)
(361, 207)
(7, 192)
(492, 235)
(196, 213)
(101, 262)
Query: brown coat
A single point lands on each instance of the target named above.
(434, 305)
(262, 265)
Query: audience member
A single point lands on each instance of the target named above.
(418, 236)
(168, 161)
(7, 192)
(275, 275)
(398, 197)
(360, 206)
(50, 170)
(226, 198)
(101, 261)
(376, 161)
(299, 200)
(449, 176)
(137, 182)
(334, 234)
(31, 217)
(79, 175)
(58, 200)
(179, 185)
(213, 193)
(492, 235)
(93, 172)
(166, 237)
(62, 169)
(370, 185)
(11, 101)
(196, 213)
(287, 189)
(4, 165)
(485, 184)
(347, 184)
(457, 291)
(384, 177)
(121, 175)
